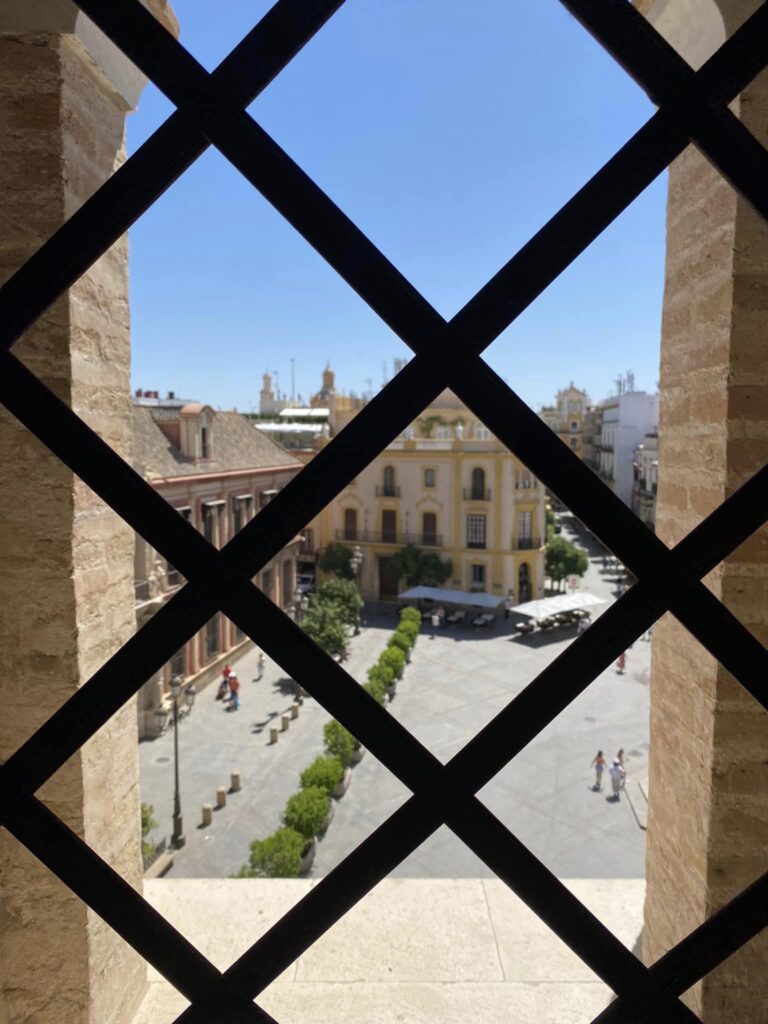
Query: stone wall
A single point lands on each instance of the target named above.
(66, 589)
(708, 822)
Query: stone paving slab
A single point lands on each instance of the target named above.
(416, 951)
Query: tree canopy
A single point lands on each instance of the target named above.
(421, 568)
(324, 623)
(335, 559)
(343, 593)
(564, 559)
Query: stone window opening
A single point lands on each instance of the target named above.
(650, 992)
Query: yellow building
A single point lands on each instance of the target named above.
(566, 417)
(446, 485)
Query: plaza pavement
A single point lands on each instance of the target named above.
(454, 685)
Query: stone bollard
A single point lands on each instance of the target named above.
(234, 782)
(285, 722)
(273, 734)
(221, 796)
(295, 709)
(207, 815)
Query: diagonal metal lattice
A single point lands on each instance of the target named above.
(210, 110)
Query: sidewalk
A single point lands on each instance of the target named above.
(213, 743)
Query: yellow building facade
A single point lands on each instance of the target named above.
(566, 417)
(448, 486)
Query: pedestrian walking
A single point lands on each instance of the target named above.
(598, 763)
(647, 633)
(223, 690)
(617, 779)
(622, 662)
(260, 667)
(234, 692)
(435, 622)
(508, 605)
(622, 758)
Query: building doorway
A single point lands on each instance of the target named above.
(389, 581)
(524, 583)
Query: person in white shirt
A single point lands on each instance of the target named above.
(617, 777)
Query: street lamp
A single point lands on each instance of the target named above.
(300, 605)
(177, 839)
(356, 564)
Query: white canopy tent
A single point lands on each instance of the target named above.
(442, 596)
(547, 606)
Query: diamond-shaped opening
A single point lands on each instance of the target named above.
(345, 111)
(612, 293)
(547, 795)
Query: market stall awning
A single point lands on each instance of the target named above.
(547, 606)
(442, 596)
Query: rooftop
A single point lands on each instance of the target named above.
(237, 446)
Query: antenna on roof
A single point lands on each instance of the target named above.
(630, 381)
(384, 377)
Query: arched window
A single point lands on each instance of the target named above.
(524, 583)
(478, 483)
(389, 482)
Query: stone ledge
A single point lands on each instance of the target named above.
(413, 949)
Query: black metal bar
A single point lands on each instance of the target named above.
(153, 168)
(673, 84)
(121, 906)
(721, 935)
(401, 307)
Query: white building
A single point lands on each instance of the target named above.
(627, 418)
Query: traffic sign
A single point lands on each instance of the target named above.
(574, 581)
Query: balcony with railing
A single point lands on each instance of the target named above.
(384, 491)
(426, 540)
(477, 494)
(141, 590)
(526, 543)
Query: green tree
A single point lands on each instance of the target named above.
(325, 772)
(421, 568)
(307, 810)
(148, 822)
(277, 856)
(551, 522)
(339, 742)
(564, 559)
(335, 560)
(324, 623)
(343, 593)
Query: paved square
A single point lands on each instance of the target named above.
(455, 683)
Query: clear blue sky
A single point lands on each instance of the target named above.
(450, 132)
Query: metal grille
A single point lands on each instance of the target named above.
(210, 110)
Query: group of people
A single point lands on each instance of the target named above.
(617, 772)
(229, 689)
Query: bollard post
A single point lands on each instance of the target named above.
(235, 782)
(285, 722)
(295, 709)
(273, 735)
(207, 815)
(221, 796)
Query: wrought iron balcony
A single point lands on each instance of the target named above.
(425, 540)
(387, 492)
(476, 494)
(526, 543)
